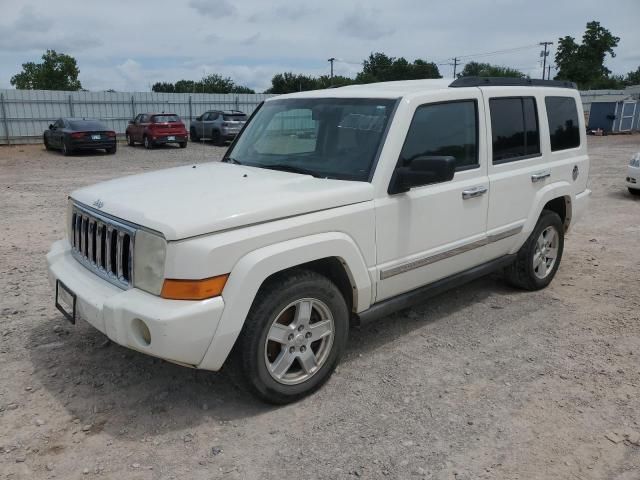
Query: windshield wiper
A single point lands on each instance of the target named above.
(231, 160)
(290, 168)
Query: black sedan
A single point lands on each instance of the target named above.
(73, 134)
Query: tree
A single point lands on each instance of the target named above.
(210, 84)
(57, 71)
(289, 82)
(584, 63)
(475, 69)
(382, 68)
(633, 78)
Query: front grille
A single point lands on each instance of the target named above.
(103, 245)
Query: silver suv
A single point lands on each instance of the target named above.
(217, 125)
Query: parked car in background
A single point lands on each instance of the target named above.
(633, 175)
(153, 129)
(73, 134)
(217, 125)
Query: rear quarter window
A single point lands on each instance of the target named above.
(564, 126)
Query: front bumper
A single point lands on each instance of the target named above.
(180, 331)
(633, 177)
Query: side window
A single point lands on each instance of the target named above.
(514, 128)
(213, 116)
(144, 118)
(58, 124)
(138, 118)
(564, 127)
(444, 129)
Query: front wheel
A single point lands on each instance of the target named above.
(293, 337)
(66, 150)
(538, 259)
(130, 141)
(634, 191)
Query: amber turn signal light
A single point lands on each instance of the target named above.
(193, 289)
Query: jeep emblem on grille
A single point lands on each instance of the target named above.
(98, 203)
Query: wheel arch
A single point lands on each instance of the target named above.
(557, 197)
(333, 254)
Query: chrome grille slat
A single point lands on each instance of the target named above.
(104, 245)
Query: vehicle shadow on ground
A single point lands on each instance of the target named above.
(623, 195)
(125, 392)
(79, 154)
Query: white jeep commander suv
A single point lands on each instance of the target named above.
(330, 207)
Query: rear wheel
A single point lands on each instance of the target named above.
(293, 337)
(46, 144)
(634, 191)
(538, 259)
(183, 144)
(111, 150)
(130, 141)
(148, 143)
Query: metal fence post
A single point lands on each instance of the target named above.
(133, 108)
(4, 119)
(190, 111)
(70, 106)
(237, 103)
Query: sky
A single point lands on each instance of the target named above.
(129, 45)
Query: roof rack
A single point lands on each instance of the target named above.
(509, 82)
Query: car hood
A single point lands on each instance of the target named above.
(187, 201)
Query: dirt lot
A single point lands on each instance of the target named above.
(482, 382)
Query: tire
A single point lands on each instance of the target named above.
(130, 141)
(46, 144)
(254, 357)
(183, 144)
(111, 150)
(548, 234)
(634, 191)
(193, 135)
(148, 144)
(215, 137)
(66, 150)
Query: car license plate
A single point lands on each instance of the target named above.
(66, 301)
(171, 138)
(95, 137)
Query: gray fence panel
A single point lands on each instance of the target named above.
(28, 113)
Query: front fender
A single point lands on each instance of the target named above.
(253, 269)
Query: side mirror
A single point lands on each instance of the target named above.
(51, 127)
(422, 171)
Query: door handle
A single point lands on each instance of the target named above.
(474, 192)
(538, 177)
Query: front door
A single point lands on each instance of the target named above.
(434, 231)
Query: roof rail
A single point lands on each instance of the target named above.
(509, 82)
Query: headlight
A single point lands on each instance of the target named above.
(149, 255)
(635, 160)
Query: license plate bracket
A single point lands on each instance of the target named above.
(95, 137)
(171, 138)
(69, 298)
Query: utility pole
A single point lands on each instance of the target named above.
(331, 60)
(544, 56)
(549, 72)
(455, 66)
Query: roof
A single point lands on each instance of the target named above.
(405, 88)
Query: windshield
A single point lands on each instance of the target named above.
(164, 118)
(236, 117)
(86, 125)
(324, 137)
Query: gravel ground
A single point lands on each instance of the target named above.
(482, 382)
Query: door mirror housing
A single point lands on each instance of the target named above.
(421, 171)
(51, 127)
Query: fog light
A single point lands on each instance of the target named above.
(141, 332)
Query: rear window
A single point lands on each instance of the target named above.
(514, 127)
(235, 117)
(87, 125)
(563, 122)
(165, 118)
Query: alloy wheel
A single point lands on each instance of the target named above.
(546, 252)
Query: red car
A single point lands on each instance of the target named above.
(153, 129)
